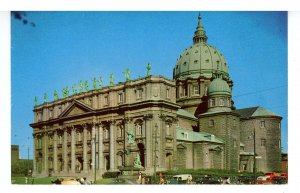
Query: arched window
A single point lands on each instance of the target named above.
(78, 136)
(120, 131)
(138, 130)
(106, 133)
(168, 126)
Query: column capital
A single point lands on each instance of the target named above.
(148, 116)
(127, 119)
(112, 122)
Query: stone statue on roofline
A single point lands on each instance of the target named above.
(67, 91)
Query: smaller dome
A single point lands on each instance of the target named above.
(219, 86)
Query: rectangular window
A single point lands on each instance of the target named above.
(211, 123)
(106, 100)
(139, 93)
(50, 113)
(212, 102)
(262, 124)
(196, 90)
(120, 98)
(234, 123)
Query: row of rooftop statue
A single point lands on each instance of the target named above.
(84, 86)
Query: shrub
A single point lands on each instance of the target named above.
(111, 174)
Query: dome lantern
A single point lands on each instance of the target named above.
(200, 34)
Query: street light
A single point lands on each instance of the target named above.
(254, 156)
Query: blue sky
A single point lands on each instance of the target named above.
(66, 47)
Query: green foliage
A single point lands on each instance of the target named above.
(111, 174)
(21, 167)
(31, 180)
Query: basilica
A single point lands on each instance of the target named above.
(156, 124)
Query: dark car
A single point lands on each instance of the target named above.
(209, 180)
(245, 180)
(278, 180)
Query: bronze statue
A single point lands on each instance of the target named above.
(148, 69)
(111, 80)
(94, 83)
(45, 97)
(35, 101)
(74, 89)
(100, 83)
(56, 95)
(127, 74)
(86, 84)
(80, 86)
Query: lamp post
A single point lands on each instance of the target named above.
(254, 156)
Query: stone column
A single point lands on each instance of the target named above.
(34, 157)
(112, 147)
(93, 142)
(55, 152)
(148, 128)
(73, 150)
(45, 154)
(85, 166)
(100, 148)
(65, 142)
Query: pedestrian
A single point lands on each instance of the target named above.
(140, 178)
(161, 180)
(86, 182)
(188, 180)
(143, 180)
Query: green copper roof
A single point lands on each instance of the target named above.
(200, 34)
(200, 59)
(255, 112)
(218, 86)
(184, 113)
(187, 135)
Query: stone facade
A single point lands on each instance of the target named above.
(156, 124)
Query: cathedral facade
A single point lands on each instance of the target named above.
(156, 124)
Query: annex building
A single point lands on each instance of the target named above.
(156, 124)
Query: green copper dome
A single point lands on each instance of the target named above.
(200, 59)
(218, 86)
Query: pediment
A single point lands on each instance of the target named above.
(181, 146)
(76, 108)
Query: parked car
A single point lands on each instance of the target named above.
(209, 180)
(245, 180)
(279, 180)
(284, 174)
(66, 181)
(263, 180)
(180, 179)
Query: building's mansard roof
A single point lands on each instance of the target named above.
(191, 136)
(255, 112)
